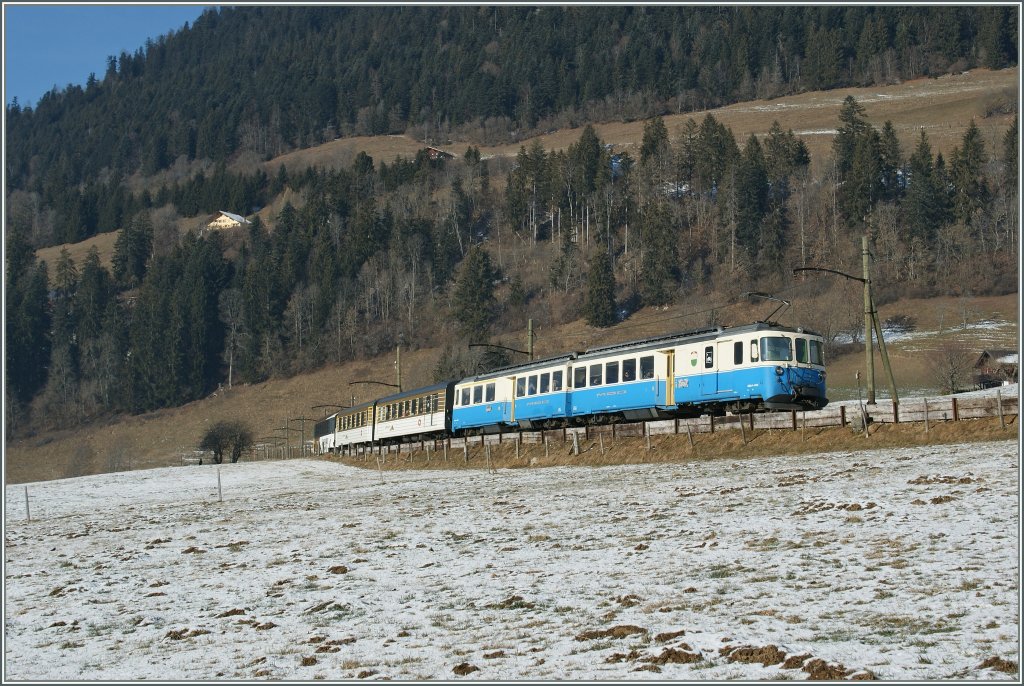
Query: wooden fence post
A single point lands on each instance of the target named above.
(689, 434)
(842, 416)
(926, 415)
(999, 405)
(956, 412)
(743, 430)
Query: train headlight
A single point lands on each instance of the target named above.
(778, 370)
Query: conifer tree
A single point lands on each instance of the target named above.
(599, 306)
(473, 303)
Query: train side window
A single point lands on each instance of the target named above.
(595, 375)
(628, 370)
(465, 397)
(556, 381)
(579, 377)
(611, 372)
(478, 394)
(737, 353)
(816, 356)
(520, 386)
(753, 350)
(489, 393)
(709, 357)
(545, 383)
(647, 367)
(801, 350)
(532, 385)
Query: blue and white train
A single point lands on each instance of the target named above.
(753, 368)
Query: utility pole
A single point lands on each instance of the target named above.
(529, 339)
(302, 430)
(870, 322)
(868, 316)
(398, 367)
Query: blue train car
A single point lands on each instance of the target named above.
(527, 396)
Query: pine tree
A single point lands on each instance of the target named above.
(599, 307)
(970, 189)
(474, 306)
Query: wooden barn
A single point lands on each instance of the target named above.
(995, 367)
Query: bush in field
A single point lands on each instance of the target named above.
(227, 436)
(951, 365)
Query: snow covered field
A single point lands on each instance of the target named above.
(902, 564)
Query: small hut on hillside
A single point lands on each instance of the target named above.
(996, 367)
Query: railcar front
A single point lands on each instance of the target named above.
(323, 433)
(761, 366)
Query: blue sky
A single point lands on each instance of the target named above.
(48, 45)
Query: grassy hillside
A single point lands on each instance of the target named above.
(944, 107)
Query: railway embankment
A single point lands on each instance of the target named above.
(839, 428)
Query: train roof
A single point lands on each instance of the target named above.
(524, 367)
(354, 408)
(707, 333)
(414, 391)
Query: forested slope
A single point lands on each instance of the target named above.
(424, 252)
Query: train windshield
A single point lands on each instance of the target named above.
(776, 349)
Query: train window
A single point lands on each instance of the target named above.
(709, 357)
(465, 397)
(532, 385)
(753, 350)
(611, 372)
(647, 367)
(489, 393)
(629, 370)
(478, 394)
(521, 387)
(776, 349)
(595, 375)
(816, 356)
(556, 381)
(545, 383)
(579, 377)
(801, 350)
(737, 353)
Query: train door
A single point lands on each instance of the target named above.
(670, 376)
(512, 401)
(723, 380)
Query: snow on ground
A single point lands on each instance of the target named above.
(901, 562)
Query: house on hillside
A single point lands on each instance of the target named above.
(996, 367)
(227, 220)
(438, 154)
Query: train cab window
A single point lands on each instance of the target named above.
(556, 381)
(816, 356)
(478, 394)
(776, 349)
(737, 353)
(647, 367)
(545, 383)
(489, 393)
(531, 385)
(465, 397)
(579, 377)
(611, 372)
(520, 386)
(595, 375)
(709, 357)
(753, 351)
(801, 350)
(629, 370)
